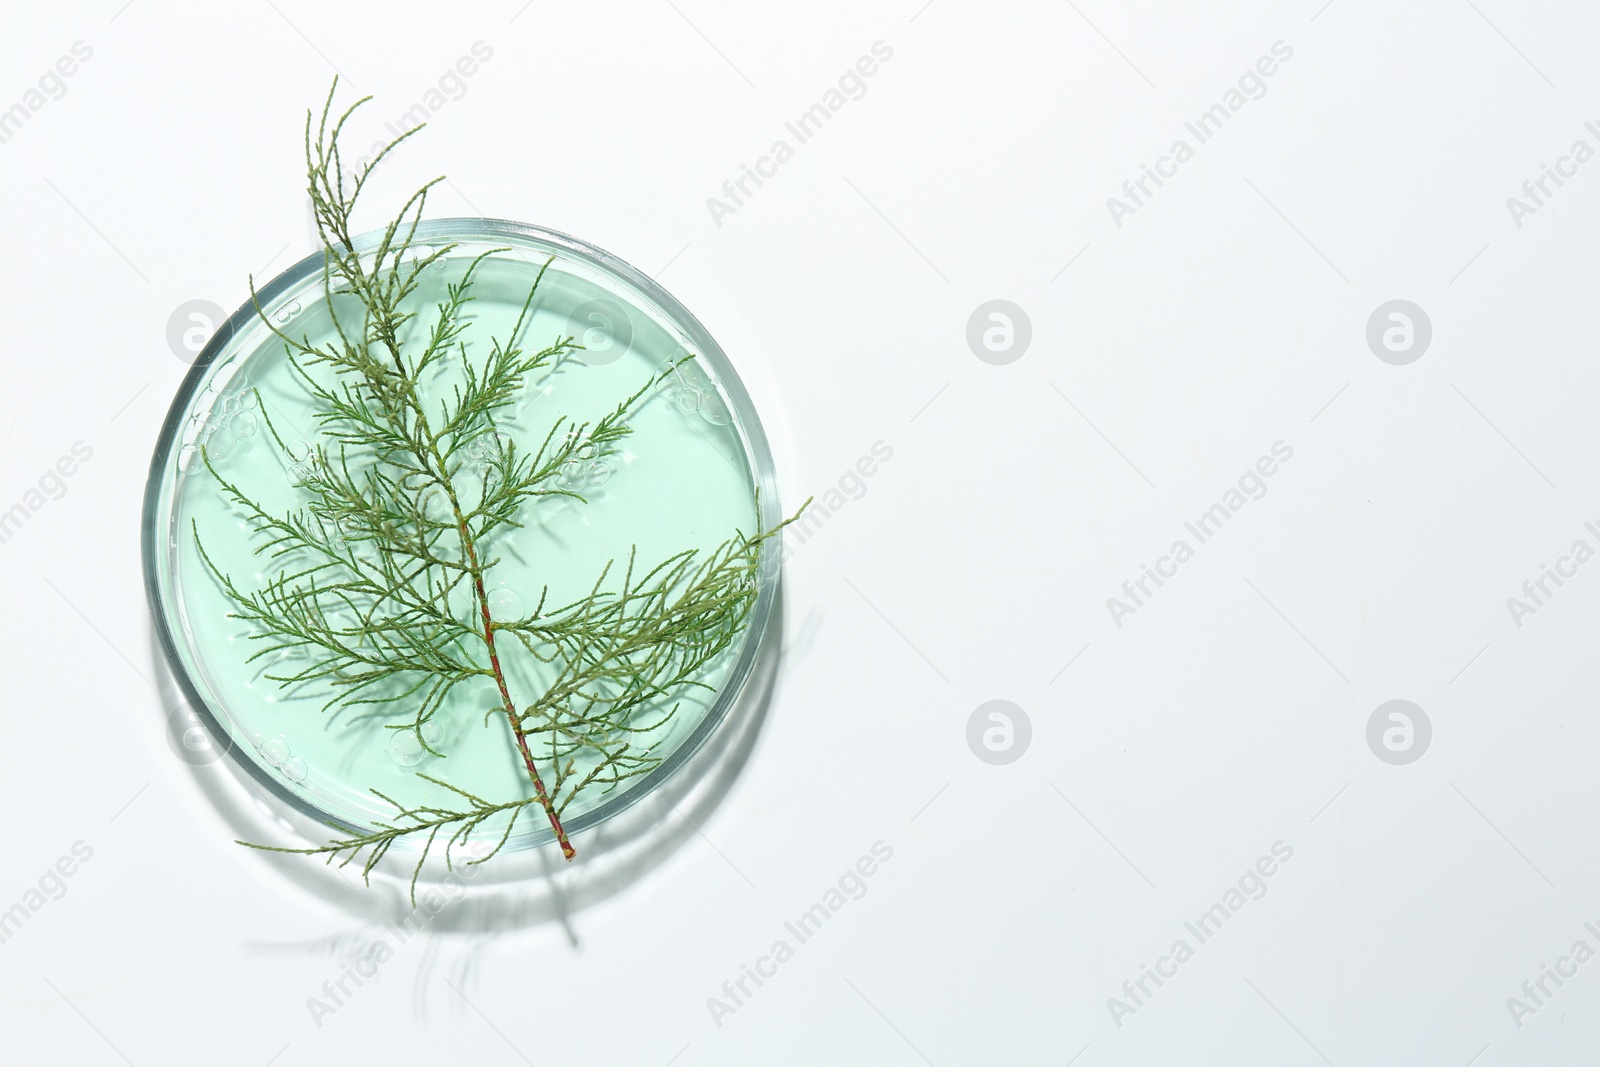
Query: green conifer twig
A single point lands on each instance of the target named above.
(379, 593)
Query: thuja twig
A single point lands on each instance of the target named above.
(380, 592)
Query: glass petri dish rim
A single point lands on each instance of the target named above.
(746, 420)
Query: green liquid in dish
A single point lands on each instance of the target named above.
(685, 478)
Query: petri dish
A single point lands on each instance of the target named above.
(694, 472)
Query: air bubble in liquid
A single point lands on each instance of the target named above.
(275, 750)
(573, 475)
(504, 603)
(714, 409)
(405, 749)
(670, 382)
(219, 445)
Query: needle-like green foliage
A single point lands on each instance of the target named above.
(375, 588)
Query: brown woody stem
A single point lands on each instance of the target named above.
(505, 694)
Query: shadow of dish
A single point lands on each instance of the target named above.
(512, 891)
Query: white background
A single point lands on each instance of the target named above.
(1229, 713)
